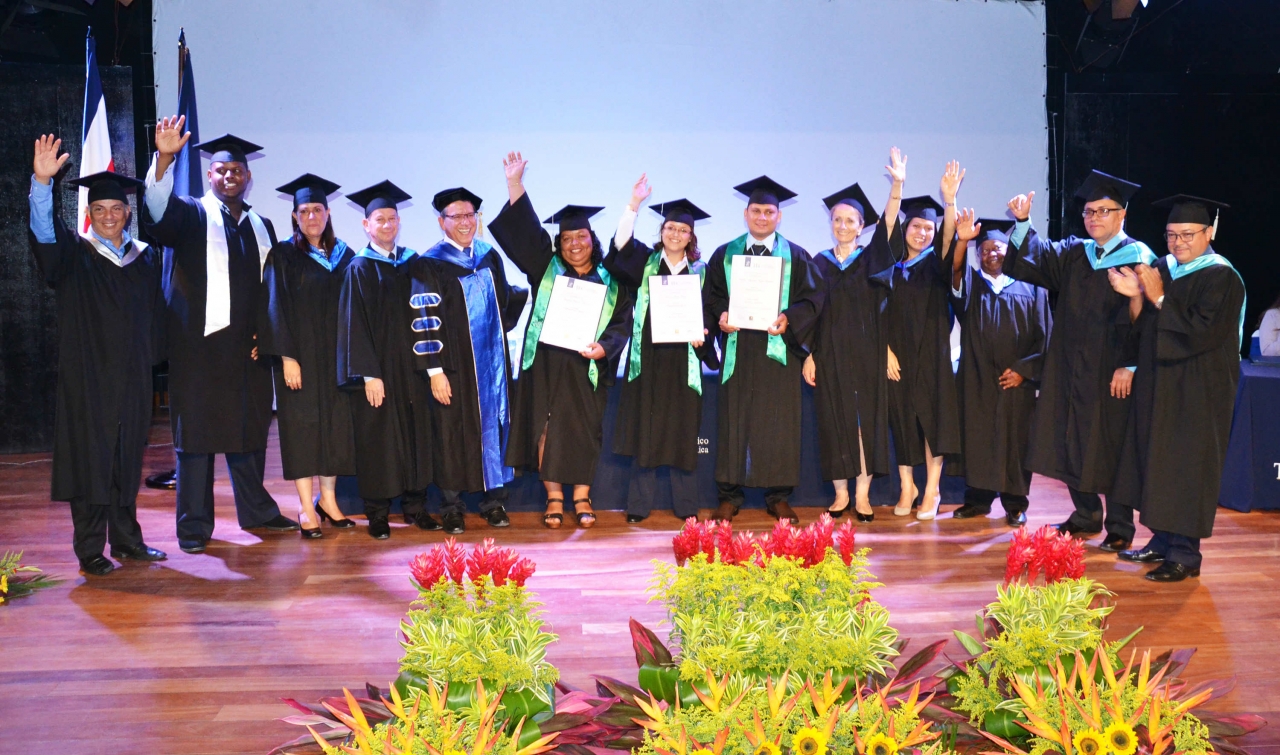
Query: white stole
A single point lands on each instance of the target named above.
(217, 302)
(138, 247)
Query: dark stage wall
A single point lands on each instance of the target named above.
(36, 99)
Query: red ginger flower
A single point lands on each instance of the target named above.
(520, 571)
(844, 542)
(427, 568)
(450, 560)
(1046, 551)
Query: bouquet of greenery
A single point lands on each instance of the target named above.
(18, 581)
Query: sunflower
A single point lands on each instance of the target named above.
(702, 751)
(1089, 742)
(883, 744)
(809, 741)
(767, 748)
(1121, 739)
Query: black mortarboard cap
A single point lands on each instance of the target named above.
(447, 197)
(856, 198)
(1099, 185)
(1184, 208)
(994, 229)
(679, 211)
(228, 148)
(379, 196)
(309, 188)
(107, 185)
(764, 190)
(923, 206)
(574, 217)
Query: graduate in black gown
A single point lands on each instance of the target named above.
(110, 332)
(1004, 332)
(1079, 425)
(302, 280)
(219, 390)
(383, 325)
(471, 414)
(847, 365)
(924, 413)
(558, 411)
(661, 406)
(758, 413)
(1189, 310)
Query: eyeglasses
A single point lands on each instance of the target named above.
(1101, 212)
(1185, 237)
(461, 216)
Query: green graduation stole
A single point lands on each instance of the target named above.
(540, 314)
(777, 349)
(1208, 259)
(637, 327)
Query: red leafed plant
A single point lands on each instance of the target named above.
(449, 561)
(1045, 552)
(718, 542)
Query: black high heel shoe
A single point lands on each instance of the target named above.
(309, 533)
(338, 524)
(864, 518)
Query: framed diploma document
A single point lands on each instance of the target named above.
(573, 313)
(756, 293)
(675, 308)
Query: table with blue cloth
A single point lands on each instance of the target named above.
(1251, 476)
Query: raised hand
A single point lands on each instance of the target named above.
(47, 163)
(897, 166)
(967, 227)
(170, 136)
(951, 178)
(1124, 281)
(1152, 283)
(1020, 206)
(514, 164)
(640, 192)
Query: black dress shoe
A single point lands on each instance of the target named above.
(163, 481)
(497, 517)
(192, 546)
(454, 524)
(1015, 518)
(139, 552)
(279, 523)
(338, 524)
(310, 534)
(1141, 556)
(379, 529)
(969, 511)
(425, 521)
(1067, 528)
(635, 518)
(1171, 572)
(97, 566)
(1115, 544)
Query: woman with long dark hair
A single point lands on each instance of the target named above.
(302, 280)
(661, 406)
(560, 397)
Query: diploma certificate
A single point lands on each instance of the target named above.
(756, 292)
(573, 313)
(675, 308)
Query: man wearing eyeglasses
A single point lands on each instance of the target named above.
(470, 415)
(1189, 312)
(1082, 413)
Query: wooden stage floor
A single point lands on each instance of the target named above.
(193, 654)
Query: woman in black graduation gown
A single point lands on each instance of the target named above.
(847, 364)
(923, 409)
(661, 407)
(560, 396)
(302, 281)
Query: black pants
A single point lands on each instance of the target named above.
(95, 525)
(982, 499)
(254, 505)
(1089, 514)
(451, 501)
(644, 488)
(1177, 549)
(729, 493)
(412, 503)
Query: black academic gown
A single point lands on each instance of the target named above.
(219, 396)
(850, 360)
(459, 442)
(555, 395)
(110, 332)
(1182, 401)
(923, 405)
(999, 331)
(393, 450)
(300, 321)
(758, 412)
(1078, 428)
(659, 414)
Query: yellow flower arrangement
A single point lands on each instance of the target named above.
(1089, 742)
(1121, 739)
(767, 748)
(881, 744)
(809, 741)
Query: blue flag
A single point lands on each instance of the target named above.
(187, 181)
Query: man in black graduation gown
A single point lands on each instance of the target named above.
(1080, 418)
(1190, 315)
(471, 413)
(383, 325)
(1004, 331)
(110, 316)
(220, 392)
(758, 416)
